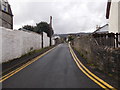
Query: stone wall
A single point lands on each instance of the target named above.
(6, 20)
(104, 58)
(15, 43)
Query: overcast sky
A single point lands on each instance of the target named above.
(69, 16)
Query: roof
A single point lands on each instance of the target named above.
(108, 9)
(103, 29)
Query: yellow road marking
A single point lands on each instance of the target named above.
(14, 73)
(93, 74)
(11, 67)
(87, 73)
(75, 57)
(11, 72)
(23, 66)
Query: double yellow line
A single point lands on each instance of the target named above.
(92, 76)
(5, 77)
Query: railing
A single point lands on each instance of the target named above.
(110, 39)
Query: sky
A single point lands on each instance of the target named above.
(69, 16)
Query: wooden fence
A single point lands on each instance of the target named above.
(110, 39)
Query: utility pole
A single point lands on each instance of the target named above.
(50, 30)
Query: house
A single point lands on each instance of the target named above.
(101, 30)
(113, 14)
(6, 16)
(57, 39)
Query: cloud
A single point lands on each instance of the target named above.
(68, 15)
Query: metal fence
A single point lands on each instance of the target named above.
(109, 39)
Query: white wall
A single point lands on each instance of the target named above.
(0, 54)
(53, 41)
(119, 16)
(15, 43)
(114, 19)
(0, 45)
(0, 18)
(10, 44)
(30, 41)
(46, 41)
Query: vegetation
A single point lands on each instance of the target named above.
(70, 38)
(40, 28)
(44, 27)
(27, 27)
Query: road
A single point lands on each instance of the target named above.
(56, 69)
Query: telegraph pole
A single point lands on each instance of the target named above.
(50, 30)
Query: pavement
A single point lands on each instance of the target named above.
(56, 69)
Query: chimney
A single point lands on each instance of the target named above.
(97, 27)
(50, 21)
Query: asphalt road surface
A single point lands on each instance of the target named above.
(56, 69)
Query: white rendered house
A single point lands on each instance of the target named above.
(113, 14)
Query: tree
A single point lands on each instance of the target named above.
(40, 28)
(44, 27)
(50, 33)
(70, 38)
(28, 27)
